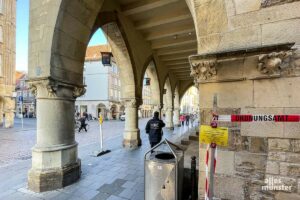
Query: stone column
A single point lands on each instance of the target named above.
(169, 118)
(1, 113)
(9, 112)
(132, 132)
(55, 163)
(176, 117)
(157, 108)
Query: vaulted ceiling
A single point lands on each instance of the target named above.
(168, 26)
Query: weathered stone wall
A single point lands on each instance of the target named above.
(267, 3)
(232, 24)
(7, 61)
(246, 84)
(256, 150)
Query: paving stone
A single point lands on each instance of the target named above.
(89, 195)
(107, 177)
(128, 184)
(127, 193)
(115, 198)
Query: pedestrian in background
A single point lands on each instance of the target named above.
(182, 119)
(187, 120)
(82, 123)
(154, 129)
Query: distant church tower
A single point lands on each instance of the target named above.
(7, 61)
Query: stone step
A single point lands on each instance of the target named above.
(194, 137)
(185, 142)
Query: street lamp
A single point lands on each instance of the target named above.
(147, 81)
(106, 58)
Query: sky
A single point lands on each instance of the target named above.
(22, 28)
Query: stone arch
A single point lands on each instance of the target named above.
(122, 109)
(151, 71)
(125, 64)
(184, 89)
(58, 44)
(195, 101)
(176, 106)
(101, 109)
(168, 93)
(113, 110)
(168, 104)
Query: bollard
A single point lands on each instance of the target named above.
(194, 180)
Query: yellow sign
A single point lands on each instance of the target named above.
(210, 135)
(100, 119)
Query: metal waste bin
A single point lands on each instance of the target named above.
(164, 172)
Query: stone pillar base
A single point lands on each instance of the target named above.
(52, 179)
(9, 120)
(134, 142)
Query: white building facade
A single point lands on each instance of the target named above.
(103, 85)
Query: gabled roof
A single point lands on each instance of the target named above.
(19, 75)
(94, 52)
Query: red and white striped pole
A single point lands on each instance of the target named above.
(206, 172)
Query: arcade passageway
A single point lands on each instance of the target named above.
(237, 50)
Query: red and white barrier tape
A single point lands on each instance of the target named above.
(257, 118)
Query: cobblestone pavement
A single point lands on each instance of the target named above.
(16, 143)
(117, 175)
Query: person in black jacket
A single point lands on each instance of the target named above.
(82, 124)
(154, 129)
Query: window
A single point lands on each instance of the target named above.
(111, 93)
(116, 94)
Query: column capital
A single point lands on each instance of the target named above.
(203, 69)
(132, 103)
(50, 88)
(159, 106)
(169, 108)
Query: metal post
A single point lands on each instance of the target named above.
(101, 152)
(212, 153)
(101, 138)
(22, 112)
(194, 192)
(22, 107)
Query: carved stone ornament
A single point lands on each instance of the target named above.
(45, 86)
(131, 103)
(275, 62)
(32, 88)
(49, 88)
(78, 91)
(203, 70)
